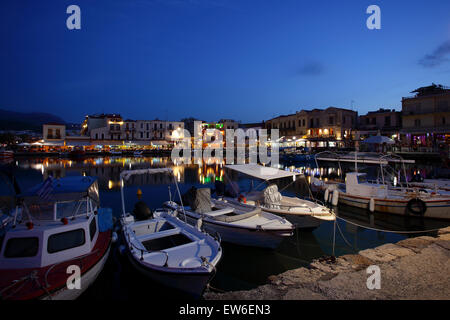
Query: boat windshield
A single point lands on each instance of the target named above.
(46, 211)
(71, 208)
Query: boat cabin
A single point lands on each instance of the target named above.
(356, 184)
(52, 230)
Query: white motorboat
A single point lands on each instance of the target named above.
(238, 224)
(304, 214)
(46, 239)
(138, 153)
(166, 248)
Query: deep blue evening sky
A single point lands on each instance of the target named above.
(242, 59)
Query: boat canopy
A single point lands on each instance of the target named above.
(126, 174)
(261, 172)
(65, 189)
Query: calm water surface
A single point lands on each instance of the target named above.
(241, 267)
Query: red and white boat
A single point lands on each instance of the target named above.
(6, 154)
(56, 242)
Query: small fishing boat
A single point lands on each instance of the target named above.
(303, 213)
(6, 154)
(357, 191)
(56, 230)
(387, 193)
(236, 223)
(164, 247)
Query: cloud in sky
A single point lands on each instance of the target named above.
(311, 68)
(439, 56)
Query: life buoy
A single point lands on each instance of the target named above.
(417, 206)
(241, 198)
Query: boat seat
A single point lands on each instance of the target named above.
(220, 212)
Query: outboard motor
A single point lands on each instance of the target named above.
(141, 211)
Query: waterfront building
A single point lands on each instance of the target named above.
(113, 127)
(317, 128)
(386, 122)
(54, 131)
(426, 118)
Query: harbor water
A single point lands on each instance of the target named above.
(241, 267)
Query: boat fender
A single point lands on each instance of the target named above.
(199, 224)
(325, 196)
(335, 199)
(372, 205)
(330, 196)
(242, 199)
(114, 237)
(416, 206)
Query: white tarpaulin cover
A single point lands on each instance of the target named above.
(261, 172)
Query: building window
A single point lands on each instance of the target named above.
(65, 240)
(417, 122)
(304, 122)
(443, 120)
(147, 127)
(142, 135)
(160, 125)
(387, 120)
(111, 127)
(331, 120)
(147, 135)
(103, 136)
(50, 133)
(96, 136)
(22, 247)
(317, 122)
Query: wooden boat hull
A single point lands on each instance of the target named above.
(193, 284)
(439, 209)
(244, 236)
(87, 280)
(90, 266)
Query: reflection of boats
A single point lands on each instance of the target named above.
(115, 152)
(303, 213)
(77, 153)
(166, 248)
(235, 223)
(6, 154)
(57, 230)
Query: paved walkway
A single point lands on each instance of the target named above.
(415, 268)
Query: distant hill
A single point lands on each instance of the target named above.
(11, 120)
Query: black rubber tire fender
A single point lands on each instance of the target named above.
(416, 206)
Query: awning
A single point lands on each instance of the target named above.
(261, 172)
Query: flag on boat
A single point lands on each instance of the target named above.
(46, 189)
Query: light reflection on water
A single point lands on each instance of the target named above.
(233, 271)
